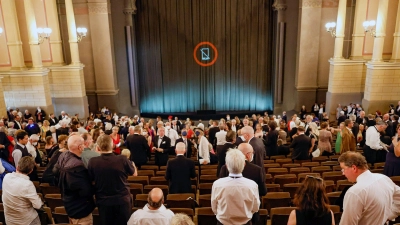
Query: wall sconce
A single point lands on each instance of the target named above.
(44, 33)
(81, 32)
(369, 26)
(331, 28)
(1, 31)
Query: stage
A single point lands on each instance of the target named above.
(205, 115)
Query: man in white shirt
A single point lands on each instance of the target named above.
(31, 145)
(371, 200)
(373, 142)
(172, 134)
(233, 127)
(154, 212)
(234, 199)
(19, 195)
(221, 137)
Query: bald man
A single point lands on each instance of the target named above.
(247, 133)
(250, 171)
(75, 185)
(154, 212)
(179, 171)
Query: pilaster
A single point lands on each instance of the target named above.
(358, 31)
(13, 35)
(381, 86)
(346, 84)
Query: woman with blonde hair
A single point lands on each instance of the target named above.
(127, 154)
(44, 129)
(116, 140)
(314, 135)
(312, 204)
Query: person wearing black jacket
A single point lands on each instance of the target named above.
(161, 145)
(187, 142)
(74, 182)
(230, 143)
(301, 145)
(138, 146)
(179, 172)
(110, 172)
(4, 143)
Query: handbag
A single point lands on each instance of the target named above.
(316, 153)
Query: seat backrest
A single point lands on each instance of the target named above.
(283, 161)
(149, 173)
(209, 172)
(302, 176)
(139, 179)
(180, 196)
(186, 211)
(205, 200)
(273, 187)
(291, 165)
(280, 215)
(205, 188)
(278, 157)
(320, 168)
(310, 164)
(205, 216)
(334, 208)
(149, 167)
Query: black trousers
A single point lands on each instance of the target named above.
(115, 214)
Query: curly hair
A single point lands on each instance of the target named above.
(311, 197)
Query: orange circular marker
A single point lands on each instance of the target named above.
(197, 48)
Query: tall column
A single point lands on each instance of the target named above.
(308, 51)
(102, 47)
(340, 24)
(380, 31)
(55, 40)
(13, 35)
(33, 35)
(358, 31)
(129, 11)
(396, 38)
(280, 7)
(72, 35)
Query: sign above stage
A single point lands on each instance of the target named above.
(205, 54)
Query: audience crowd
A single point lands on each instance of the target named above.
(92, 160)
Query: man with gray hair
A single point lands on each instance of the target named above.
(75, 184)
(250, 171)
(179, 171)
(239, 193)
(137, 145)
(373, 142)
(256, 143)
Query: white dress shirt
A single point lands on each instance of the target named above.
(31, 149)
(19, 199)
(234, 199)
(145, 216)
(203, 150)
(221, 137)
(372, 138)
(17, 155)
(172, 134)
(292, 124)
(370, 200)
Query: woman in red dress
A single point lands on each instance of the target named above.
(116, 140)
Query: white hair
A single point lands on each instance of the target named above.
(34, 137)
(10, 124)
(131, 127)
(63, 122)
(235, 161)
(108, 126)
(342, 113)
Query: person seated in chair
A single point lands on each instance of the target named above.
(154, 212)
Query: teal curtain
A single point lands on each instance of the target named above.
(167, 32)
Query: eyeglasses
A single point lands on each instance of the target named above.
(317, 178)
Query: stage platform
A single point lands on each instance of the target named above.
(205, 115)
